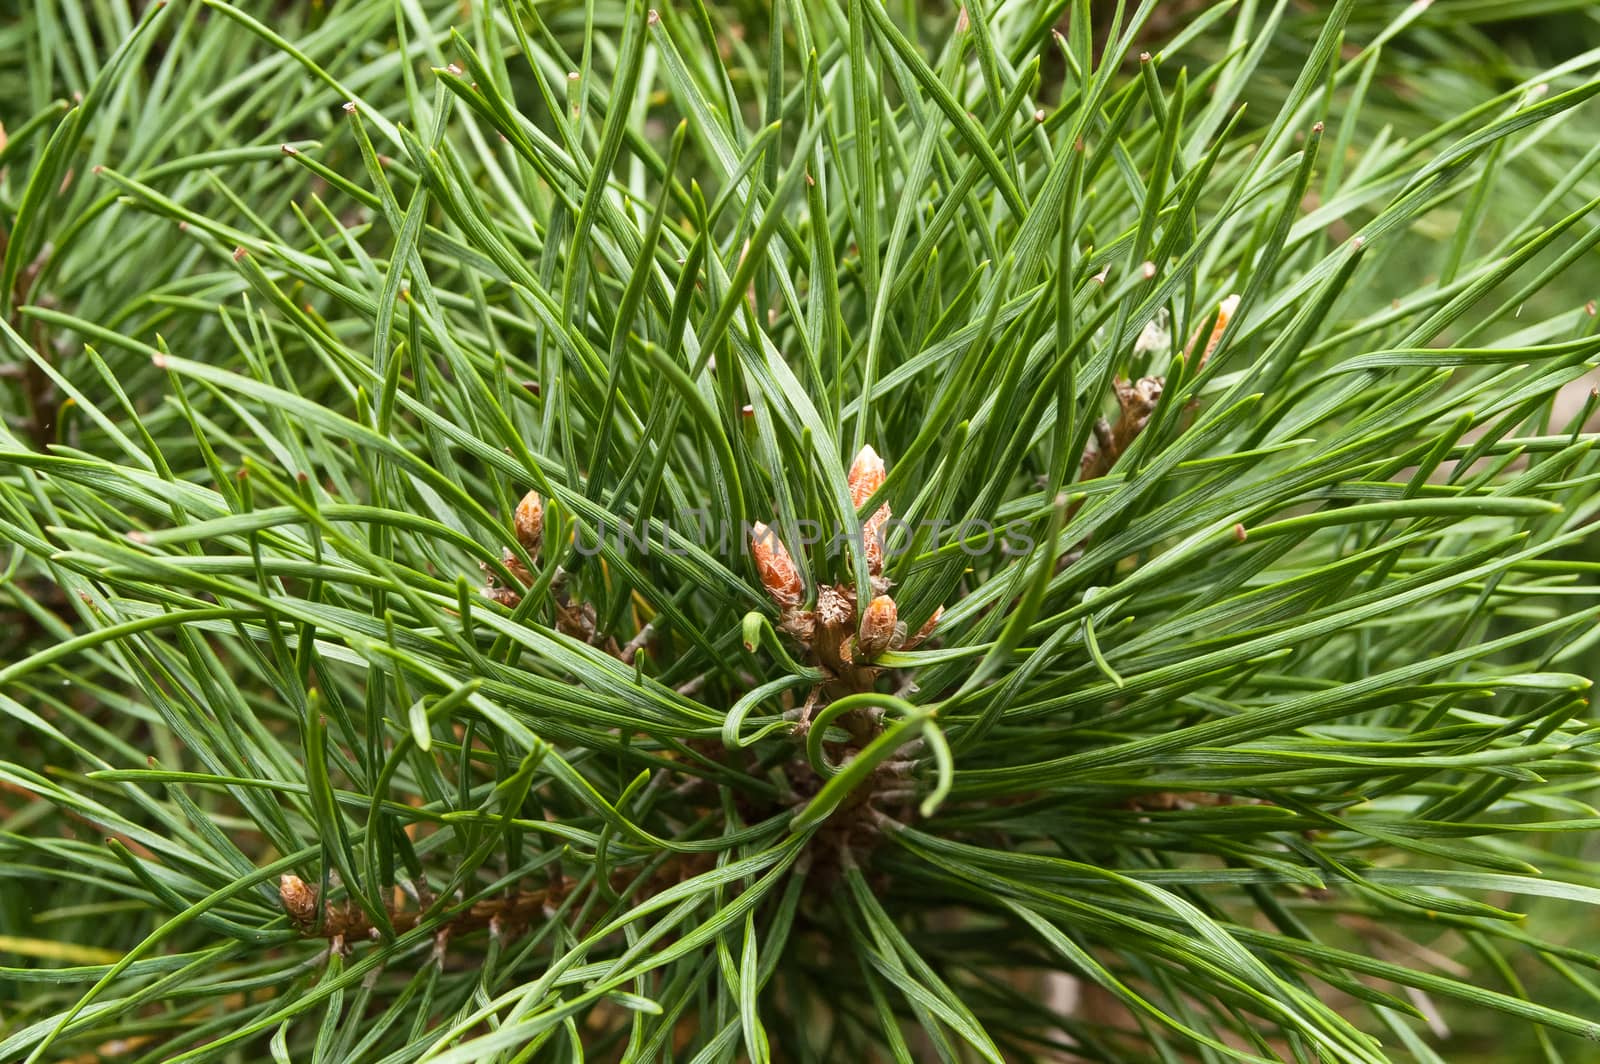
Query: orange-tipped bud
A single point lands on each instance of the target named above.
(299, 900)
(872, 532)
(878, 622)
(1225, 311)
(925, 631)
(529, 521)
(866, 475)
(778, 574)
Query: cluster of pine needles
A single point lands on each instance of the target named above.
(801, 531)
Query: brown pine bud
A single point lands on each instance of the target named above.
(529, 522)
(872, 535)
(778, 574)
(576, 619)
(878, 622)
(1138, 401)
(835, 609)
(846, 655)
(503, 595)
(518, 570)
(866, 475)
(299, 900)
(1225, 311)
(925, 631)
(802, 624)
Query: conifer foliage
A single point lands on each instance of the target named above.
(821, 530)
